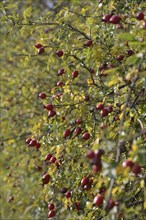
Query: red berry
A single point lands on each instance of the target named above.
(77, 131)
(60, 83)
(49, 106)
(99, 106)
(85, 181)
(120, 57)
(111, 204)
(32, 143)
(106, 18)
(99, 153)
(109, 108)
(128, 163)
(42, 95)
(41, 50)
(104, 112)
(90, 154)
(38, 145)
(61, 72)
(86, 98)
(51, 113)
(78, 121)
(86, 136)
(115, 19)
(68, 194)
(46, 178)
(51, 206)
(136, 169)
(48, 157)
(28, 140)
(75, 74)
(66, 133)
(52, 159)
(51, 214)
(98, 200)
(59, 53)
(88, 43)
(37, 45)
(140, 16)
(96, 168)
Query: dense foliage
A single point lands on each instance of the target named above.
(73, 89)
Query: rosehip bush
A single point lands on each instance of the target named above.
(89, 144)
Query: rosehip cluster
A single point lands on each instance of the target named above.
(52, 159)
(51, 212)
(33, 143)
(104, 111)
(135, 168)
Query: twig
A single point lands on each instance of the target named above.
(80, 32)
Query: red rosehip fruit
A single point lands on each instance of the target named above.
(41, 50)
(140, 16)
(86, 136)
(90, 154)
(68, 194)
(51, 206)
(104, 112)
(48, 157)
(66, 133)
(61, 72)
(77, 131)
(38, 45)
(51, 214)
(85, 181)
(28, 140)
(111, 204)
(78, 121)
(127, 163)
(88, 43)
(136, 169)
(99, 106)
(42, 95)
(120, 57)
(46, 178)
(52, 159)
(32, 143)
(60, 83)
(75, 74)
(59, 53)
(98, 200)
(106, 18)
(51, 113)
(115, 19)
(86, 98)
(48, 106)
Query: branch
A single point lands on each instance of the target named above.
(80, 32)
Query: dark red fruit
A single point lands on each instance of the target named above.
(52, 159)
(111, 204)
(32, 143)
(61, 72)
(59, 53)
(86, 136)
(102, 66)
(78, 121)
(99, 106)
(136, 169)
(51, 214)
(46, 178)
(96, 168)
(128, 163)
(115, 19)
(38, 168)
(48, 106)
(42, 95)
(90, 154)
(98, 200)
(104, 112)
(28, 140)
(140, 16)
(66, 133)
(48, 157)
(109, 108)
(38, 145)
(92, 71)
(85, 181)
(88, 43)
(37, 45)
(120, 57)
(51, 206)
(75, 74)
(106, 18)
(77, 131)
(86, 98)
(64, 190)
(41, 50)
(68, 194)
(130, 52)
(51, 113)
(99, 153)
(60, 83)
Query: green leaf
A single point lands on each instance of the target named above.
(126, 37)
